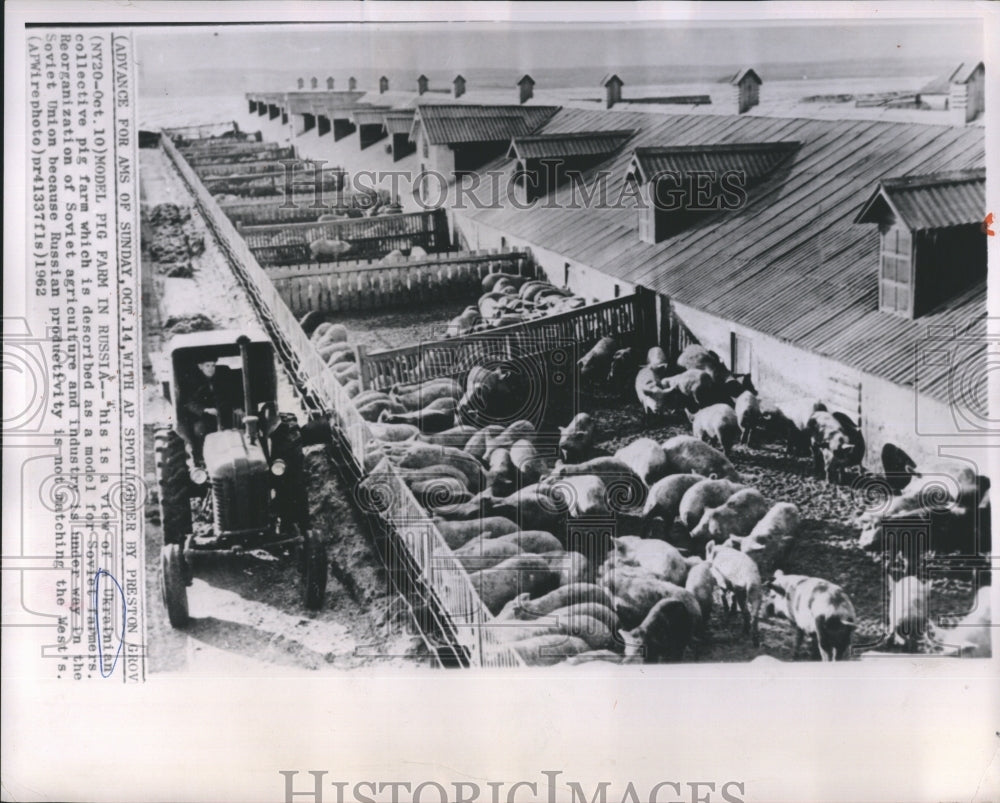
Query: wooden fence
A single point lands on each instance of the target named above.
(256, 167)
(297, 208)
(275, 182)
(374, 285)
(439, 572)
(559, 339)
(370, 237)
(272, 152)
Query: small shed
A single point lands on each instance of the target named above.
(526, 88)
(746, 89)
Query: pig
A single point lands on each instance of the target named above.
(430, 419)
(535, 541)
(346, 372)
(738, 576)
(523, 607)
(529, 463)
(481, 553)
(716, 423)
(373, 410)
(604, 613)
(656, 356)
(695, 356)
(736, 516)
(352, 388)
(908, 611)
(428, 392)
(833, 445)
(569, 566)
(327, 250)
(692, 389)
(576, 439)
(658, 558)
(421, 455)
(637, 591)
(771, 537)
(595, 365)
(532, 507)
(511, 434)
(366, 396)
(663, 635)
(580, 496)
(576, 620)
(971, 637)
(417, 252)
(816, 608)
(687, 454)
(440, 492)
(794, 415)
(701, 584)
(624, 364)
(464, 323)
(476, 445)
(501, 473)
(458, 533)
(748, 415)
(653, 399)
(500, 584)
(332, 333)
(704, 494)
(490, 280)
(550, 649)
(626, 488)
(646, 458)
(664, 498)
(456, 436)
(394, 432)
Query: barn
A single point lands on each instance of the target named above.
(850, 266)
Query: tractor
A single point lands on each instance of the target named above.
(238, 458)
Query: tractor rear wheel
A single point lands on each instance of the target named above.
(173, 584)
(174, 484)
(314, 570)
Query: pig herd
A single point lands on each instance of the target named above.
(509, 300)
(529, 514)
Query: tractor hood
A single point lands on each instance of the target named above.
(229, 453)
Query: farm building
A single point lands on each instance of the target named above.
(830, 278)
(820, 281)
(959, 90)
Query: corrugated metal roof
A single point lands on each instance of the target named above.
(753, 159)
(450, 124)
(370, 116)
(579, 143)
(399, 122)
(790, 263)
(935, 201)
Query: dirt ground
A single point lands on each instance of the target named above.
(247, 615)
(826, 546)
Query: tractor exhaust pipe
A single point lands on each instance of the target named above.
(250, 417)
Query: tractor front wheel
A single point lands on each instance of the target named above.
(314, 570)
(173, 584)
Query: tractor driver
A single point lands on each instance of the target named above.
(210, 403)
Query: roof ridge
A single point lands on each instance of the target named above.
(969, 174)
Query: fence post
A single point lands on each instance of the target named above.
(364, 368)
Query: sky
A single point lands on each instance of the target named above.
(495, 45)
(411, 48)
